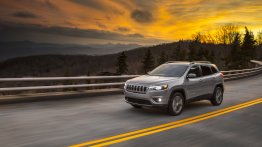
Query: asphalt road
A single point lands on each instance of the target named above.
(73, 121)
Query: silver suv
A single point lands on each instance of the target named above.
(174, 84)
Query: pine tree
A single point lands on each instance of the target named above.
(121, 64)
(206, 54)
(163, 58)
(176, 52)
(192, 51)
(200, 54)
(148, 61)
(248, 46)
(211, 57)
(182, 55)
(235, 57)
(195, 48)
(179, 54)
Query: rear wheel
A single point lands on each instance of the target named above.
(217, 96)
(136, 106)
(176, 104)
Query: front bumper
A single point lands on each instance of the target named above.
(147, 99)
(146, 103)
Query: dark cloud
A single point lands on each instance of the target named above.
(24, 14)
(139, 4)
(65, 31)
(147, 4)
(136, 35)
(123, 29)
(21, 31)
(108, 18)
(96, 4)
(89, 3)
(49, 4)
(142, 16)
(40, 3)
(101, 25)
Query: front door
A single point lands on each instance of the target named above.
(193, 85)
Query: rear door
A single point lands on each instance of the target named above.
(207, 81)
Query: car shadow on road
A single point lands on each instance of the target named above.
(195, 106)
(198, 105)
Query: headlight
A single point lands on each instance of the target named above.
(125, 86)
(160, 87)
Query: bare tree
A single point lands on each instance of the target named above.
(209, 38)
(259, 38)
(226, 34)
(199, 37)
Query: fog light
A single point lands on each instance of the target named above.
(157, 99)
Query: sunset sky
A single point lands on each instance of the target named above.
(121, 21)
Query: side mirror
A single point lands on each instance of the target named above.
(191, 75)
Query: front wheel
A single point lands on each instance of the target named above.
(176, 104)
(217, 96)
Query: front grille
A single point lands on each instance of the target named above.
(136, 88)
(138, 101)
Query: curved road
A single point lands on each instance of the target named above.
(75, 121)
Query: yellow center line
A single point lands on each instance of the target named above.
(163, 127)
(168, 128)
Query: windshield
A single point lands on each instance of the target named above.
(169, 70)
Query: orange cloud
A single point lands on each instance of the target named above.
(155, 19)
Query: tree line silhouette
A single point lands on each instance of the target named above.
(242, 49)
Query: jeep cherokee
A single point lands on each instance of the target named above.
(173, 84)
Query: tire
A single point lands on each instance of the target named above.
(217, 97)
(136, 106)
(176, 104)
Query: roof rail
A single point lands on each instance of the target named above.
(175, 61)
(207, 62)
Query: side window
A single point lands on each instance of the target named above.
(206, 70)
(195, 70)
(214, 70)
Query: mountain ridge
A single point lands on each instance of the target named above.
(25, 48)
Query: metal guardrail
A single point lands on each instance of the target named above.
(66, 78)
(228, 75)
(235, 74)
(63, 79)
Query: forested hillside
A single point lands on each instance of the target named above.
(77, 65)
(229, 49)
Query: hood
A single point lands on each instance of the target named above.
(151, 80)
